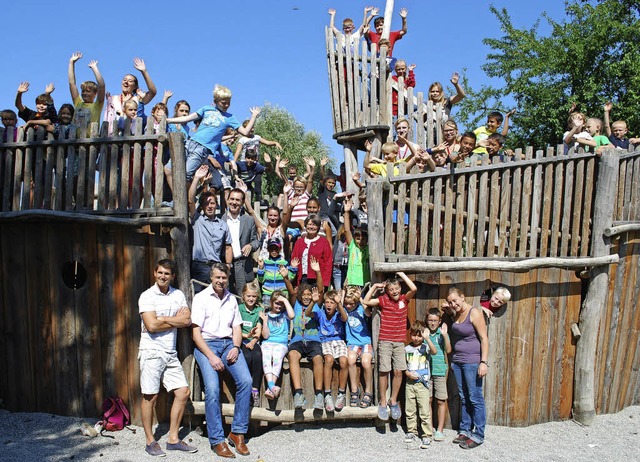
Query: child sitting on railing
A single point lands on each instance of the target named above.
(378, 23)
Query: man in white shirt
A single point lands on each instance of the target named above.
(163, 310)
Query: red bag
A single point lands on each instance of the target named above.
(115, 415)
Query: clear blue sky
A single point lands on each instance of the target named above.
(263, 50)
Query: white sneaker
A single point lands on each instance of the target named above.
(328, 403)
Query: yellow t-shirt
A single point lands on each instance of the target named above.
(86, 113)
(381, 169)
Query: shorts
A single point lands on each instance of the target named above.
(309, 349)
(391, 356)
(160, 365)
(361, 349)
(439, 388)
(335, 348)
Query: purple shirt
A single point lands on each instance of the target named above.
(465, 341)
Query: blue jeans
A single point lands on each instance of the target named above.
(240, 373)
(473, 417)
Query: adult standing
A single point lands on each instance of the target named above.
(211, 236)
(469, 365)
(163, 310)
(244, 240)
(217, 334)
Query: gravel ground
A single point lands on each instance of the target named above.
(44, 437)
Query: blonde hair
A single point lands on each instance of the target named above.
(129, 103)
(220, 92)
(89, 85)
(390, 147)
(437, 85)
(503, 293)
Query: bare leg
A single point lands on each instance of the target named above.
(168, 174)
(442, 414)
(344, 373)
(147, 407)
(353, 370)
(294, 369)
(383, 382)
(396, 384)
(180, 397)
(317, 372)
(328, 371)
(365, 361)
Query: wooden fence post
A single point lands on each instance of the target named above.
(594, 303)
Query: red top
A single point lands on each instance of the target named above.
(393, 38)
(409, 81)
(321, 250)
(393, 318)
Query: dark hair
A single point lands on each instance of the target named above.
(417, 327)
(313, 199)
(220, 267)
(204, 197)
(434, 312)
(166, 263)
(498, 137)
(301, 288)
(313, 218)
(42, 99)
(469, 135)
(495, 115)
(251, 154)
(238, 190)
(69, 107)
(378, 20)
(177, 106)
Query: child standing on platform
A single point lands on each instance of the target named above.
(440, 339)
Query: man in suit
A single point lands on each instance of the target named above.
(244, 241)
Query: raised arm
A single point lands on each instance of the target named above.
(315, 294)
(410, 284)
(22, 88)
(311, 165)
(607, 122)
(255, 112)
(139, 64)
(403, 15)
(339, 298)
(183, 119)
(366, 19)
(455, 80)
(270, 143)
(165, 97)
(102, 88)
(332, 22)
(368, 299)
(348, 205)
(73, 88)
(199, 175)
(505, 126)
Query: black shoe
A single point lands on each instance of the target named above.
(469, 444)
(460, 438)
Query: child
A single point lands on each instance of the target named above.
(275, 331)
(438, 361)
(467, 143)
(88, 104)
(159, 111)
(274, 272)
(594, 127)
(250, 172)
(131, 112)
(305, 342)
(251, 143)
(409, 82)
(214, 121)
(499, 297)
(378, 23)
(359, 347)
(340, 259)
(494, 120)
(393, 306)
(348, 35)
(389, 152)
(436, 96)
(182, 108)
(617, 131)
(44, 105)
(10, 122)
(418, 373)
(250, 313)
(64, 126)
(358, 271)
(494, 147)
(333, 345)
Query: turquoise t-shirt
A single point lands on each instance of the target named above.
(438, 361)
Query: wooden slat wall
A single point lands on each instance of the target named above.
(69, 349)
(57, 175)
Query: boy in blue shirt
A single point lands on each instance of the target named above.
(214, 120)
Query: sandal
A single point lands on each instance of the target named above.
(355, 398)
(269, 394)
(367, 400)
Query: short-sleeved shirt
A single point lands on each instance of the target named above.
(250, 318)
(381, 169)
(162, 304)
(86, 113)
(417, 357)
(216, 316)
(373, 37)
(29, 114)
(620, 143)
(330, 329)
(358, 272)
(438, 361)
(393, 318)
(210, 237)
(249, 144)
(249, 174)
(358, 331)
(213, 126)
(481, 135)
(305, 328)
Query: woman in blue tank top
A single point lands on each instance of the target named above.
(469, 365)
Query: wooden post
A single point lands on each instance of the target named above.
(388, 15)
(351, 167)
(594, 304)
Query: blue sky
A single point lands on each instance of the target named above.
(263, 50)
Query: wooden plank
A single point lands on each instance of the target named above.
(525, 215)
(557, 208)
(365, 73)
(333, 80)
(536, 206)
(109, 298)
(344, 115)
(430, 124)
(570, 292)
(18, 173)
(420, 132)
(350, 83)
(103, 196)
(38, 172)
(159, 174)
(125, 168)
(8, 157)
(437, 218)
(621, 207)
(626, 200)
(423, 238)
(375, 221)
(113, 178)
(505, 202)
(632, 359)
(384, 90)
(388, 221)
(136, 177)
(402, 110)
(415, 220)
(448, 214)
(91, 169)
(577, 209)
(49, 165)
(587, 207)
(547, 197)
(483, 210)
(635, 191)
(566, 208)
(544, 346)
(59, 181)
(402, 208)
(81, 177)
(357, 86)
(148, 163)
(28, 173)
(472, 201)
(460, 194)
(514, 218)
(70, 174)
(494, 212)
(374, 117)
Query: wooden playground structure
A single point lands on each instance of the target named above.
(82, 225)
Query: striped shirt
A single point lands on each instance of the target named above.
(393, 318)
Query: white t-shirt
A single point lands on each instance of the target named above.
(153, 299)
(249, 144)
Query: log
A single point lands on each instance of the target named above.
(290, 415)
(45, 215)
(617, 229)
(496, 265)
(592, 309)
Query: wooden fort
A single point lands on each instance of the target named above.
(82, 225)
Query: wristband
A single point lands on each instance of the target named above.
(485, 363)
(236, 346)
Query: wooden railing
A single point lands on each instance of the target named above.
(536, 207)
(86, 173)
(361, 88)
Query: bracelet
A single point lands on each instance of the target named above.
(485, 363)
(236, 346)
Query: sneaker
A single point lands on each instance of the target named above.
(438, 436)
(181, 446)
(318, 402)
(154, 449)
(410, 437)
(383, 412)
(299, 401)
(255, 398)
(460, 438)
(469, 444)
(328, 403)
(396, 413)
(340, 401)
(426, 441)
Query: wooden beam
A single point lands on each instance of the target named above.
(622, 227)
(388, 15)
(584, 410)
(68, 217)
(520, 266)
(290, 415)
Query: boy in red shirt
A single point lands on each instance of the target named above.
(393, 306)
(394, 36)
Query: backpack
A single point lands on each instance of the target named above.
(115, 415)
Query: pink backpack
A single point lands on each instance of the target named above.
(115, 415)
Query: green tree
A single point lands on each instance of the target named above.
(589, 58)
(278, 124)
